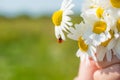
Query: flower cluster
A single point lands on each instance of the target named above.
(98, 35)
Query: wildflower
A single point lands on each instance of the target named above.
(85, 50)
(62, 20)
(98, 27)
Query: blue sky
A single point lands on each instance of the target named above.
(32, 7)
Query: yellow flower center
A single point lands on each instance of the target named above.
(99, 12)
(82, 45)
(115, 3)
(57, 17)
(99, 27)
(118, 25)
(107, 41)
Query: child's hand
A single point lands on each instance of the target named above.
(109, 70)
(100, 71)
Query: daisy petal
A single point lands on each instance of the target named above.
(109, 55)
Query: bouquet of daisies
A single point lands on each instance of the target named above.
(98, 35)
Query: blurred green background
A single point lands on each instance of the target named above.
(29, 51)
(28, 47)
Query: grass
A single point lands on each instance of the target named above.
(29, 51)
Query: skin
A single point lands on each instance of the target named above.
(100, 70)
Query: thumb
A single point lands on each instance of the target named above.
(86, 71)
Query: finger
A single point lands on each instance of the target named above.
(86, 71)
(106, 63)
(109, 73)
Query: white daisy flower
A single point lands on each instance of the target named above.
(98, 11)
(85, 50)
(99, 32)
(98, 27)
(99, 5)
(115, 20)
(62, 20)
